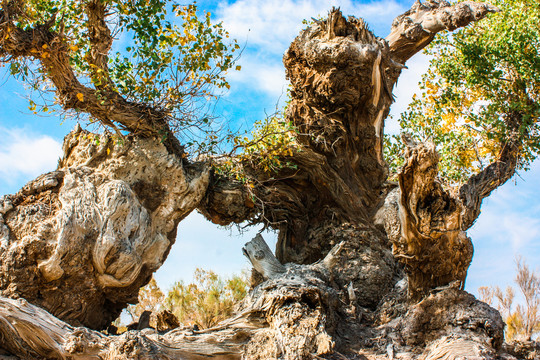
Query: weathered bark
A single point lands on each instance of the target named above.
(370, 268)
(342, 77)
(414, 30)
(291, 294)
(293, 315)
(428, 238)
(528, 350)
(80, 241)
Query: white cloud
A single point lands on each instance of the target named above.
(260, 76)
(273, 24)
(506, 226)
(24, 154)
(521, 230)
(268, 27)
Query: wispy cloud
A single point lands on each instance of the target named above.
(508, 226)
(265, 76)
(266, 28)
(273, 24)
(24, 155)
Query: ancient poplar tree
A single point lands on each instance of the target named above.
(364, 265)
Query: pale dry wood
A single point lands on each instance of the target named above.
(456, 349)
(262, 258)
(31, 332)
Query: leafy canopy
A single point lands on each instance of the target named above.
(267, 149)
(479, 81)
(165, 55)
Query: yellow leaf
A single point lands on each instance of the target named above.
(108, 151)
(80, 96)
(238, 67)
(44, 46)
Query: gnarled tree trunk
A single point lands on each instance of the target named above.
(81, 241)
(363, 266)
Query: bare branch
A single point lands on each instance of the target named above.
(262, 258)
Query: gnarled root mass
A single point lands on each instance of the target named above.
(299, 312)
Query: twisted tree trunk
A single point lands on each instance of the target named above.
(363, 266)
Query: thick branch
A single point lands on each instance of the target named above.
(481, 185)
(341, 77)
(340, 96)
(415, 29)
(100, 43)
(92, 232)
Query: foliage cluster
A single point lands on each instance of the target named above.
(479, 81)
(271, 143)
(166, 56)
(523, 321)
(208, 300)
(205, 302)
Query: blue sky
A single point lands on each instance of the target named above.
(510, 219)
